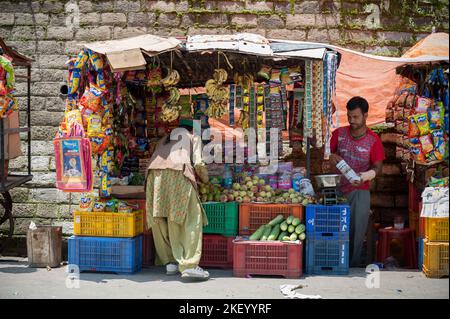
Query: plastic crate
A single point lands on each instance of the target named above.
(97, 254)
(328, 219)
(148, 250)
(100, 224)
(436, 229)
(222, 218)
(327, 255)
(217, 251)
(435, 259)
(252, 216)
(267, 258)
(141, 206)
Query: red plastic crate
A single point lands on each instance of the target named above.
(252, 216)
(398, 243)
(217, 251)
(267, 258)
(148, 250)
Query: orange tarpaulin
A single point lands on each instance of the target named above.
(374, 77)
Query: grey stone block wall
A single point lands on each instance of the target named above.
(45, 31)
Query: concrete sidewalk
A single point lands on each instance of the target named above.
(18, 281)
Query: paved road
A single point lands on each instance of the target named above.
(17, 280)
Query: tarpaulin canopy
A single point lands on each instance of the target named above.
(127, 54)
(375, 78)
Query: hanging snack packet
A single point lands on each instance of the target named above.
(92, 99)
(413, 129)
(73, 117)
(422, 104)
(94, 125)
(426, 143)
(86, 204)
(417, 154)
(422, 123)
(435, 118)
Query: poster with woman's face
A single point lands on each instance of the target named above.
(72, 171)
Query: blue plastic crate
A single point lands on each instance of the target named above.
(102, 254)
(420, 254)
(327, 255)
(327, 219)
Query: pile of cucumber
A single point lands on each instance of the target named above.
(289, 229)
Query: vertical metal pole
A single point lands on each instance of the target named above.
(29, 119)
(308, 158)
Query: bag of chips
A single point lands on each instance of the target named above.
(99, 206)
(422, 123)
(422, 104)
(92, 98)
(86, 204)
(94, 125)
(417, 154)
(111, 205)
(73, 117)
(426, 143)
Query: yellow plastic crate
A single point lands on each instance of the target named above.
(103, 224)
(435, 259)
(436, 229)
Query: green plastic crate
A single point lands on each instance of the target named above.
(223, 218)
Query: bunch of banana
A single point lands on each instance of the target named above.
(244, 120)
(170, 112)
(174, 95)
(218, 94)
(245, 80)
(220, 75)
(171, 79)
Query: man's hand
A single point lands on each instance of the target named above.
(334, 159)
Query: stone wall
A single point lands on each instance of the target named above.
(52, 31)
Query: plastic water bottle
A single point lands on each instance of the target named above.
(227, 181)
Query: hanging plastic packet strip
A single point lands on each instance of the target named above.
(105, 185)
(231, 104)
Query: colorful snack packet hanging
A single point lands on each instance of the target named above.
(73, 117)
(426, 143)
(436, 118)
(92, 98)
(94, 125)
(422, 123)
(413, 129)
(417, 154)
(422, 104)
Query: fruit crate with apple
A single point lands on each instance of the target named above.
(222, 218)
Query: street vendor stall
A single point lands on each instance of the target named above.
(10, 144)
(124, 95)
(419, 113)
